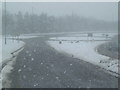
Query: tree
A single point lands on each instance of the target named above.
(19, 24)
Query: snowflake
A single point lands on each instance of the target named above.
(68, 86)
(41, 63)
(34, 50)
(35, 84)
(32, 59)
(19, 70)
(52, 65)
(27, 51)
(34, 75)
(57, 77)
(24, 66)
(64, 71)
(24, 76)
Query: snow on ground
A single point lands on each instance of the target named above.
(23, 37)
(81, 50)
(79, 38)
(84, 36)
(6, 57)
(97, 34)
(6, 82)
(10, 47)
(84, 48)
(83, 33)
(27, 37)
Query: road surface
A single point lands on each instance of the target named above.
(40, 66)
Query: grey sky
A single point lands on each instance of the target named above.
(100, 10)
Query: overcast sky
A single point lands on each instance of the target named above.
(107, 11)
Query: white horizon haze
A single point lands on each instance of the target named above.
(107, 11)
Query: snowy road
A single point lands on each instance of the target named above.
(40, 66)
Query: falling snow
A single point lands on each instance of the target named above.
(32, 59)
(64, 71)
(68, 86)
(35, 84)
(41, 63)
(57, 77)
(27, 51)
(34, 50)
(52, 65)
(19, 70)
(24, 66)
(34, 75)
(24, 76)
(70, 64)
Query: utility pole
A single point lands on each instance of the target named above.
(32, 19)
(5, 21)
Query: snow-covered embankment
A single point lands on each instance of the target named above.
(84, 48)
(9, 52)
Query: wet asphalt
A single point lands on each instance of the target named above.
(41, 66)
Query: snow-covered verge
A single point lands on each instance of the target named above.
(9, 48)
(12, 46)
(27, 36)
(82, 38)
(8, 53)
(84, 48)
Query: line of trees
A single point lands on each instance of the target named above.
(20, 23)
